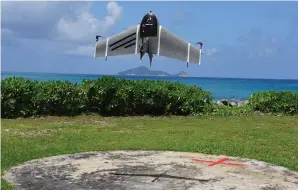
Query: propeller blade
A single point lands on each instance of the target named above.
(98, 36)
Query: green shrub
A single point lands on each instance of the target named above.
(17, 97)
(285, 102)
(223, 110)
(113, 96)
(106, 95)
(59, 98)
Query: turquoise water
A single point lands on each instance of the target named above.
(221, 88)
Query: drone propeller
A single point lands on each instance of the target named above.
(99, 36)
(201, 43)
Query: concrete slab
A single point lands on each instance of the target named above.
(150, 170)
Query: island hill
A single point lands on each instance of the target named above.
(144, 71)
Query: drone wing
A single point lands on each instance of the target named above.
(170, 45)
(120, 44)
(166, 44)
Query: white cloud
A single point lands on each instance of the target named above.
(69, 27)
(38, 19)
(114, 11)
(211, 51)
(86, 25)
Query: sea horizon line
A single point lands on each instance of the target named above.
(132, 76)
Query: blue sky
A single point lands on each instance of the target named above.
(241, 39)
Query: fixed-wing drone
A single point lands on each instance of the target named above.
(148, 37)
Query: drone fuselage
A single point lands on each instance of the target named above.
(148, 29)
(149, 26)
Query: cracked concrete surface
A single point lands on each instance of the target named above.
(149, 170)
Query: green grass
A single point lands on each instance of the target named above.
(5, 185)
(273, 139)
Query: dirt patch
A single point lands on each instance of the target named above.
(150, 170)
(30, 133)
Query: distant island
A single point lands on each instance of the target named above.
(144, 71)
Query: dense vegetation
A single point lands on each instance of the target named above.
(111, 96)
(275, 101)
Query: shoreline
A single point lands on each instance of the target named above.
(153, 76)
(230, 102)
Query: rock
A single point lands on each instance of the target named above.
(233, 104)
(219, 103)
(240, 103)
(225, 102)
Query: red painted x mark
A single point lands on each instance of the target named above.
(220, 161)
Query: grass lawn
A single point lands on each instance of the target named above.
(273, 139)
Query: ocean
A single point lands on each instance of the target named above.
(221, 88)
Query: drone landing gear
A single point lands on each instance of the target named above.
(150, 58)
(141, 54)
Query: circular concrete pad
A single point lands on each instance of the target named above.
(150, 170)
